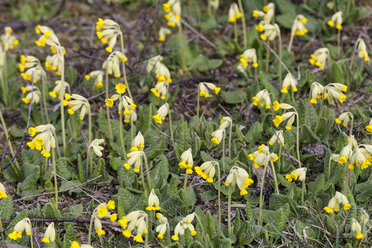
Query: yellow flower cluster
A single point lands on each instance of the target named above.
(249, 56)
(238, 176)
(207, 170)
(7, 40)
(153, 202)
(334, 203)
(319, 57)
(31, 68)
(203, 89)
(23, 225)
(183, 225)
(108, 31)
(44, 141)
(97, 76)
(336, 21)
(3, 194)
(172, 9)
(234, 13)
(186, 161)
(136, 219)
(298, 174)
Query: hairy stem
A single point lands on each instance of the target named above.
(55, 176)
(243, 24)
(261, 194)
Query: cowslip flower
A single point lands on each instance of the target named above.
(160, 90)
(23, 225)
(34, 94)
(362, 50)
(162, 227)
(31, 68)
(319, 57)
(161, 114)
(50, 234)
(298, 27)
(108, 32)
(203, 89)
(96, 146)
(262, 156)
(207, 170)
(356, 229)
(173, 13)
(186, 161)
(162, 73)
(7, 40)
(278, 136)
(138, 143)
(75, 244)
(136, 219)
(98, 227)
(335, 91)
(298, 174)
(112, 63)
(54, 63)
(3, 194)
(238, 176)
(225, 122)
(334, 203)
(163, 32)
(183, 225)
(234, 13)
(135, 159)
(362, 156)
(267, 14)
(316, 92)
(78, 102)
(249, 56)
(271, 31)
(289, 81)
(44, 141)
(217, 136)
(262, 99)
(153, 202)
(290, 116)
(336, 20)
(344, 118)
(59, 89)
(97, 76)
(369, 126)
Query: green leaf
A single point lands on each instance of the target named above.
(63, 168)
(115, 162)
(208, 195)
(6, 208)
(209, 225)
(234, 97)
(337, 74)
(128, 200)
(73, 212)
(81, 169)
(18, 218)
(201, 63)
(16, 132)
(69, 236)
(50, 211)
(160, 172)
(255, 132)
(188, 197)
(285, 6)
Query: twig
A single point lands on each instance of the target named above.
(198, 34)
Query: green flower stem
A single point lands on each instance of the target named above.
(147, 234)
(2, 229)
(44, 87)
(293, 98)
(352, 124)
(18, 168)
(235, 32)
(89, 154)
(229, 210)
(352, 56)
(223, 152)
(319, 117)
(107, 107)
(275, 179)
(182, 52)
(169, 234)
(57, 146)
(290, 41)
(307, 111)
(198, 109)
(219, 198)
(261, 193)
(298, 139)
(280, 158)
(347, 180)
(131, 129)
(89, 168)
(267, 58)
(230, 136)
(303, 192)
(143, 180)
(4, 81)
(121, 131)
(255, 77)
(90, 227)
(171, 130)
(55, 176)
(62, 107)
(339, 42)
(31, 238)
(243, 24)
(149, 181)
(280, 60)
(185, 182)
(124, 74)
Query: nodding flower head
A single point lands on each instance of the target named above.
(362, 50)
(163, 225)
(278, 136)
(3, 194)
(289, 82)
(96, 146)
(23, 225)
(336, 20)
(135, 220)
(44, 141)
(356, 229)
(50, 234)
(335, 91)
(7, 40)
(298, 27)
(298, 174)
(153, 202)
(249, 56)
(334, 203)
(271, 31)
(138, 143)
(186, 161)
(344, 118)
(262, 99)
(108, 32)
(217, 136)
(319, 57)
(262, 156)
(183, 225)
(203, 89)
(33, 94)
(161, 113)
(238, 176)
(78, 102)
(316, 92)
(134, 159)
(97, 77)
(173, 12)
(234, 13)
(163, 32)
(207, 170)
(31, 68)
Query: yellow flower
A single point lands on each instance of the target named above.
(109, 102)
(291, 177)
(120, 88)
(32, 131)
(102, 211)
(359, 235)
(100, 232)
(113, 217)
(278, 119)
